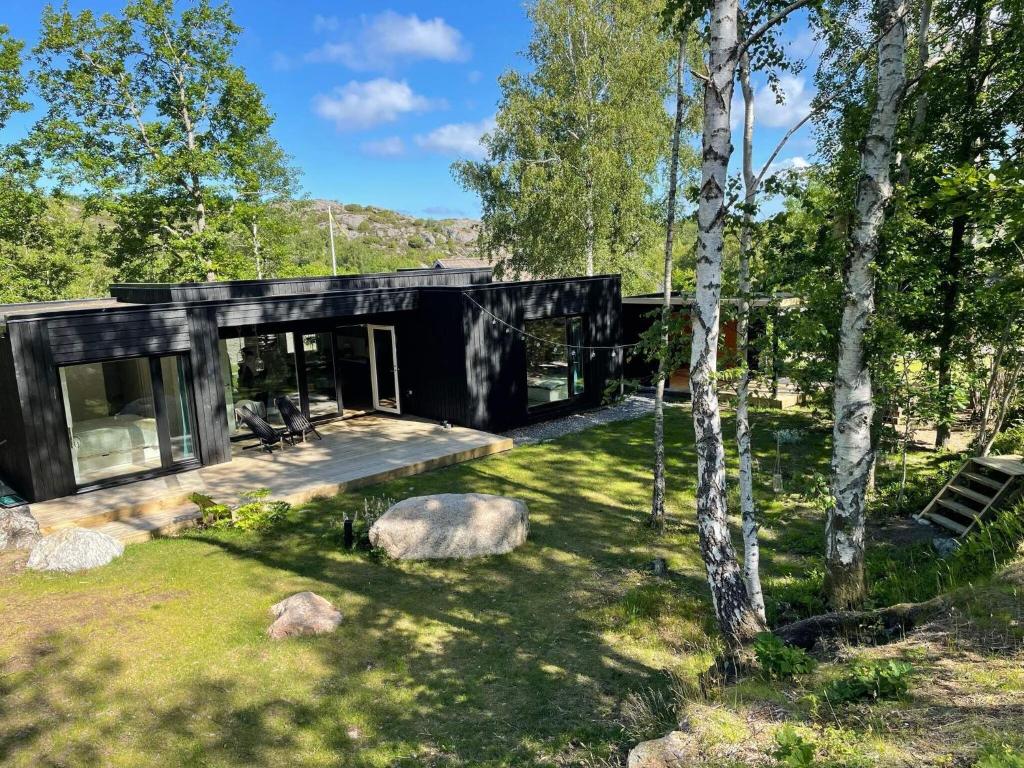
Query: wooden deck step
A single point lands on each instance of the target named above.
(135, 529)
(1008, 465)
(969, 494)
(960, 509)
(995, 485)
(945, 522)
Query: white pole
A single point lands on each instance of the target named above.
(334, 259)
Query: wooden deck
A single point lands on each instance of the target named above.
(352, 454)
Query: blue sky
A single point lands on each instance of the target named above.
(375, 100)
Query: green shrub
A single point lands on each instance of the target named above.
(258, 514)
(780, 660)
(1010, 441)
(1003, 756)
(890, 500)
(875, 680)
(796, 598)
(791, 749)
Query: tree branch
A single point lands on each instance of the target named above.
(760, 31)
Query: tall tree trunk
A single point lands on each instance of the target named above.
(1009, 387)
(737, 618)
(751, 548)
(658, 494)
(590, 227)
(951, 274)
(853, 408)
(990, 393)
(924, 21)
(256, 255)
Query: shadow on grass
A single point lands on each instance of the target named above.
(515, 660)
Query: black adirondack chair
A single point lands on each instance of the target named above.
(296, 424)
(267, 435)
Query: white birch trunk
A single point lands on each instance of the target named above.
(751, 548)
(1009, 389)
(853, 408)
(658, 494)
(737, 618)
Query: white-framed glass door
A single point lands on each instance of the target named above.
(384, 368)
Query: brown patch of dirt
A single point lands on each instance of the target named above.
(12, 562)
(900, 531)
(29, 621)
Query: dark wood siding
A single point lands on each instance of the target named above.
(90, 337)
(207, 386)
(254, 289)
(431, 349)
(495, 360)
(42, 408)
(325, 306)
(14, 464)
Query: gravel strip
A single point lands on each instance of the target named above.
(632, 407)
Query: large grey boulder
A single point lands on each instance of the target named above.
(18, 529)
(673, 751)
(74, 549)
(304, 613)
(456, 525)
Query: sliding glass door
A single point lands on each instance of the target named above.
(127, 417)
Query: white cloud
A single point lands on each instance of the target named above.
(392, 146)
(459, 139)
(389, 37)
(357, 106)
(325, 23)
(796, 103)
(796, 163)
(768, 112)
(280, 62)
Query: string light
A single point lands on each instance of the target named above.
(509, 328)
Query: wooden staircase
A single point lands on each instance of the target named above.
(983, 485)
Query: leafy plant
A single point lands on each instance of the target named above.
(780, 660)
(1003, 756)
(874, 680)
(791, 749)
(257, 514)
(373, 508)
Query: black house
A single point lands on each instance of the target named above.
(104, 391)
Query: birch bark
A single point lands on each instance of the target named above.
(737, 618)
(853, 408)
(658, 494)
(751, 548)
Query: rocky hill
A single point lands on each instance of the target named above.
(397, 233)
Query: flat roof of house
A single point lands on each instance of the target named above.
(782, 300)
(56, 307)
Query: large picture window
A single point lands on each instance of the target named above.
(554, 360)
(127, 417)
(257, 370)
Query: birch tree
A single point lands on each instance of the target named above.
(658, 495)
(568, 185)
(751, 546)
(853, 407)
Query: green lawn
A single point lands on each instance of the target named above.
(161, 657)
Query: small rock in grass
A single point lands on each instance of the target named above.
(304, 613)
(18, 529)
(676, 750)
(74, 549)
(945, 546)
